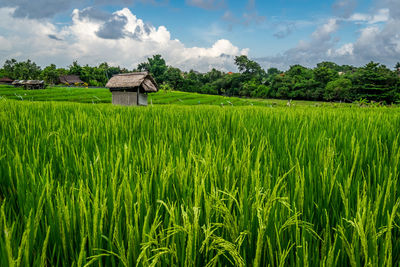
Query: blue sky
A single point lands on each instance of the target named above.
(201, 34)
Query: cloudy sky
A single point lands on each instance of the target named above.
(200, 34)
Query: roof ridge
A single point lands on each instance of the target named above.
(133, 73)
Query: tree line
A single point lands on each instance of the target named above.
(326, 82)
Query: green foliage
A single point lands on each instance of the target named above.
(50, 74)
(375, 82)
(327, 82)
(165, 87)
(249, 68)
(156, 66)
(324, 75)
(339, 89)
(97, 185)
(94, 76)
(25, 70)
(174, 78)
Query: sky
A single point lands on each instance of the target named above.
(201, 34)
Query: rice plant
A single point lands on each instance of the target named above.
(97, 185)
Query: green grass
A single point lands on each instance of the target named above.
(102, 95)
(98, 185)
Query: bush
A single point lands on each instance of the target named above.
(339, 89)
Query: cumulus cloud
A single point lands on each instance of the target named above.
(94, 13)
(90, 40)
(309, 52)
(113, 28)
(378, 40)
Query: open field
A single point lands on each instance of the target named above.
(103, 95)
(98, 185)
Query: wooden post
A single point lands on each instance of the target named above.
(137, 97)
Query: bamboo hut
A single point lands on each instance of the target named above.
(131, 89)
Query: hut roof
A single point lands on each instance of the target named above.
(33, 82)
(6, 80)
(133, 80)
(71, 79)
(18, 82)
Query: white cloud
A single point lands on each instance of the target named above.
(375, 42)
(381, 16)
(5, 45)
(307, 52)
(345, 50)
(324, 32)
(44, 43)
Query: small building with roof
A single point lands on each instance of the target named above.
(34, 84)
(6, 80)
(29, 84)
(131, 89)
(70, 79)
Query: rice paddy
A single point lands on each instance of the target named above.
(98, 185)
(103, 95)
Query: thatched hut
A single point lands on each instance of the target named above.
(29, 84)
(6, 80)
(70, 79)
(130, 89)
(34, 84)
(17, 83)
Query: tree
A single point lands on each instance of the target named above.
(2, 73)
(338, 89)
(24, 70)
(156, 66)
(375, 82)
(50, 74)
(329, 65)
(273, 71)
(249, 68)
(173, 77)
(323, 75)
(75, 68)
(9, 68)
(211, 76)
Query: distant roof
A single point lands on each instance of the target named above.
(34, 82)
(27, 82)
(6, 80)
(133, 80)
(71, 79)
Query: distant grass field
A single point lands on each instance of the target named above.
(168, 185)
(102, 95)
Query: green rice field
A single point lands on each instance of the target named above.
(197, 185)
(103, 95)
